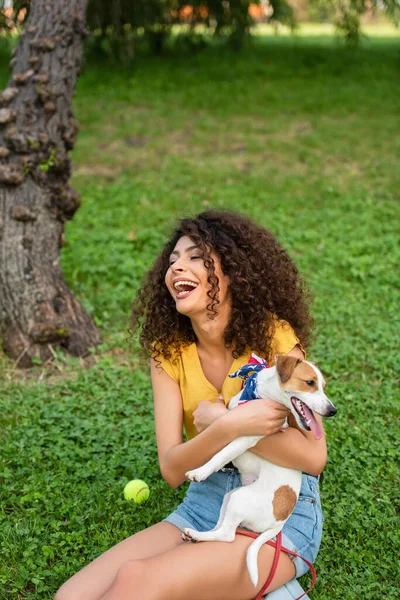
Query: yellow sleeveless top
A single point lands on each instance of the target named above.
(187, 372)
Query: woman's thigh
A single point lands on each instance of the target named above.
(203, 571)
(92, 582)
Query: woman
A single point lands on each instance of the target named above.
(221, 288)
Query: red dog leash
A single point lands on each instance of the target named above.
(278, 548)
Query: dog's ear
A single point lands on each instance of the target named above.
(285, 365)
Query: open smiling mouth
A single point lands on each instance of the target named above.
(307, 417)
(184, 288)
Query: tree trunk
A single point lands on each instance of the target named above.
(37, 129)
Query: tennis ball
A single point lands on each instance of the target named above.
(136, 490)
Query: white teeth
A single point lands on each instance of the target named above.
(178, 284)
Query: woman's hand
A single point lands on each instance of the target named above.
(258, 417)
(207, 412)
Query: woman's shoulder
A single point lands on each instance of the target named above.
(280, 326)
(283, 337)
(176, 361)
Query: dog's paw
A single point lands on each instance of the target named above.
(197, 474)
(188, 535)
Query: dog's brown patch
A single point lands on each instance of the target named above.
(284, 502)
(295, 373)
(285, 366)
(305, 372)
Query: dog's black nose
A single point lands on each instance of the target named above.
(332, 411)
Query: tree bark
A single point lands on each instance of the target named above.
(37, 129)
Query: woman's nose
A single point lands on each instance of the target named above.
(178, 266)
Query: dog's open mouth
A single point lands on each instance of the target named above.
(307, 417)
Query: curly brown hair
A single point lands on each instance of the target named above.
(264, 284)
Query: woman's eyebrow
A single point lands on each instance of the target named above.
(186, 250)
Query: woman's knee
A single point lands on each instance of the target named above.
(64, 593)
(137, 570)
(132, 570)
(68, 592)
(78, 589)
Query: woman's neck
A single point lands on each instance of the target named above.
(210, 334)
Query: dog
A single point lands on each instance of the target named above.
(269, 493)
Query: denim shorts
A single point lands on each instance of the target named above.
(301, 533)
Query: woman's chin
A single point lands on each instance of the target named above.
(183, 307)
(189, 309)
(186, 312)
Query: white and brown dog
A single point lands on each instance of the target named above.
(269, 492)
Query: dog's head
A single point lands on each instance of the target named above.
(303, 386)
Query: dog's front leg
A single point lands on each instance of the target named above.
(224, 456)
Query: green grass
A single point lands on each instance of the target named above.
(301, 134)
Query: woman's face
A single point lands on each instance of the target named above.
(186, 279)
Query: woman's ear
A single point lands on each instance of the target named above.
(285, 365)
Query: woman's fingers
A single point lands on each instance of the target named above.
(259, 417)
(206, 413)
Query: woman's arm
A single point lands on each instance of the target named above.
(294, 449)
(177, 457)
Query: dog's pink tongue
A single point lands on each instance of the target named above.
(313, 423)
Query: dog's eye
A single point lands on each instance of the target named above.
(311, 383)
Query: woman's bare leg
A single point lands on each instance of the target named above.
(92, 582)
(203, 571)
